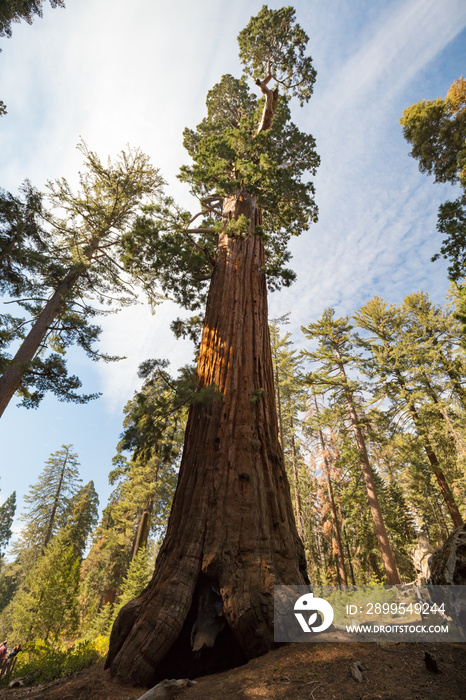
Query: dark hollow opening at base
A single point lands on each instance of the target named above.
(182, 662)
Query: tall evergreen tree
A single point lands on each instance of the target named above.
(91, 235)
(231, 534)
(394, 361)
(28, 264)
(80, 517)
(290, 398)
(144, 484)
(436, 129)
(24, 243)
(48, 500)
(333, 353)
(47, 603)
(335, 519)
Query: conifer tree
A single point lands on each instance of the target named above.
(436, 129)
(393, 362)
(29, 263)
(47, 603)
(144, 484)
(17, 10)
(48, 500)
(80, 517)
(335, 519)
(231, 534)
(104, 568)
(24, 242)
(333, 353)
(88, 267)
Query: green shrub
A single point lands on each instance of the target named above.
(42, 661)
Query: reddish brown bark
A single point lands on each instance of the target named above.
(231, 535)
(388, 559)
(333, 509)
(379, 525)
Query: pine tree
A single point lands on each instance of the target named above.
(290, 399)
(88, 267)
(48, 500)
(394, 361)
(248, 162)
(136, 580)
(144, 484)
(335, 519)
(24, 242)
(333, 352)
(28, 263)
(80, 517)
(104, 568)
(436, 129)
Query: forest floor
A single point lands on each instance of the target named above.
(392, 671)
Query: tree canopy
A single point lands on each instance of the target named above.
(436, 129)
(16, 10)
(67, 263)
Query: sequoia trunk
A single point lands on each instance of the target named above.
(231, 535)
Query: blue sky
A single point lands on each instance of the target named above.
(115, 73)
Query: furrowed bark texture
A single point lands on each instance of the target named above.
(231, 535)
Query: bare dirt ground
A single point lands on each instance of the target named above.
(296, 672)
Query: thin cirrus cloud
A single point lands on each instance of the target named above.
(376, 230)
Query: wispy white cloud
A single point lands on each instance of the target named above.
(376, 231)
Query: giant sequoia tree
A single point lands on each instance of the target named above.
(231, 535)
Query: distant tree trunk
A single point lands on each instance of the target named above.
(142, 533)
(279, 407)
(350, 560)
(10, 381)
(297, 496)
(388, 559)
(56, 500)
(335, 520)
(431, 456)
(231, 535)
(333, 509)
